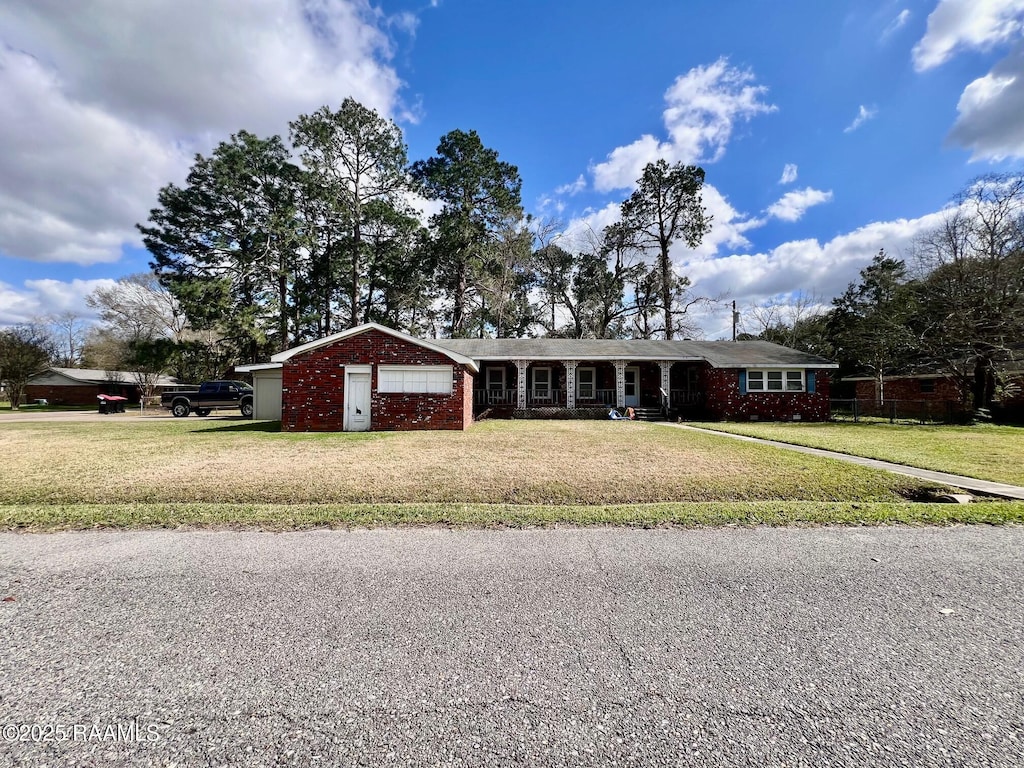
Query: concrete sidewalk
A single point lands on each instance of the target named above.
(983, 487)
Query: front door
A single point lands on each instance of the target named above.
(357, 403)
(631, 381)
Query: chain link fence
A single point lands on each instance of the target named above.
(898, 411)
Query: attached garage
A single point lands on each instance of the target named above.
(266, 391)
(365, 378)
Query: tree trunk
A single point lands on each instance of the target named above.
(459, 301)
(666, 290)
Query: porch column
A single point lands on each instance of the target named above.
(521, 366)
(666, 371)
(620, 383)
(570, 382)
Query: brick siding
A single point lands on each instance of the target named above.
(313, 384)
(909, 389)
(725, 401)
(78, 394)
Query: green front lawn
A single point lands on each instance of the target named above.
(173, 472)
(984, 451)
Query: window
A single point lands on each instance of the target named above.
(927, 386)
(775, 381)
(541, 383)
(415, 379)
(496, 378)
(586, 383)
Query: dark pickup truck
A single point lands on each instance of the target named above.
(209, 395)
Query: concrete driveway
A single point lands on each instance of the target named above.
(737, 647)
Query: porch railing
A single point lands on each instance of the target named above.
(534, 397)
(541, 397)
(599, 397)
(682, 398)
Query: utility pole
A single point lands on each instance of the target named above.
(735, 319)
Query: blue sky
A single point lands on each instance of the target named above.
(880, 109)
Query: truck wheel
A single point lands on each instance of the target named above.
(202, 411)
(247, 409)
(180, 409)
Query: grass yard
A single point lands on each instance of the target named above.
(160, 472)
(983, 451)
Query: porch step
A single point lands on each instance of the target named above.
(649, 414)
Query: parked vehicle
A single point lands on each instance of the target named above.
(208, 396)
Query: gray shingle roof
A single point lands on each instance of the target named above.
(720, 354)
(97, 376)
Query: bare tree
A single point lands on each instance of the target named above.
(67, 330)
(971, 281)
(139, 308)
(781, 319)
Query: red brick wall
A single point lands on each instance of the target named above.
(79, 394)
(313, 383)
(908, 389)
(467, 398)
(724, 400)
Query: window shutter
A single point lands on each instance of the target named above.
(810, 381)
(743, 382)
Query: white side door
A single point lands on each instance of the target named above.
(357, 402)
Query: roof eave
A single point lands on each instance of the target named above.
(288, 354)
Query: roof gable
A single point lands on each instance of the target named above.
(432, 345)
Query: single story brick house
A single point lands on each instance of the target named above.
(941, 389)
(376, 378)
(80, 386)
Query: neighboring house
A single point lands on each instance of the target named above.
(938, 387)
(921, 386)
(371, 377)
(80, 386)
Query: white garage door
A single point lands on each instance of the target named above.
(267, 395)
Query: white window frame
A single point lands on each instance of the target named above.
(492, 379)
(414, 379)
(580, 395)
(546, 392)
(759, 380)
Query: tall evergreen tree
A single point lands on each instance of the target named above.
(225, 243)
(869, 323)
(666, 207)
(478, 192)
(354, 157)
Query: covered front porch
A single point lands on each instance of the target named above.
(668, 386)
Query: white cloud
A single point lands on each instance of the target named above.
(586, 229)
(967, 24)
(989, 111)
(73, 179)
(806, 265)
(702, 109)
(572, 187)
(792, 205)
(728, 226)
(789, 172)
(863, 115)
(896, 24)
(197, 67)
(45, 297)
(88, 139)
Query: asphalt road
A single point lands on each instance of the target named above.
(745, 647)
